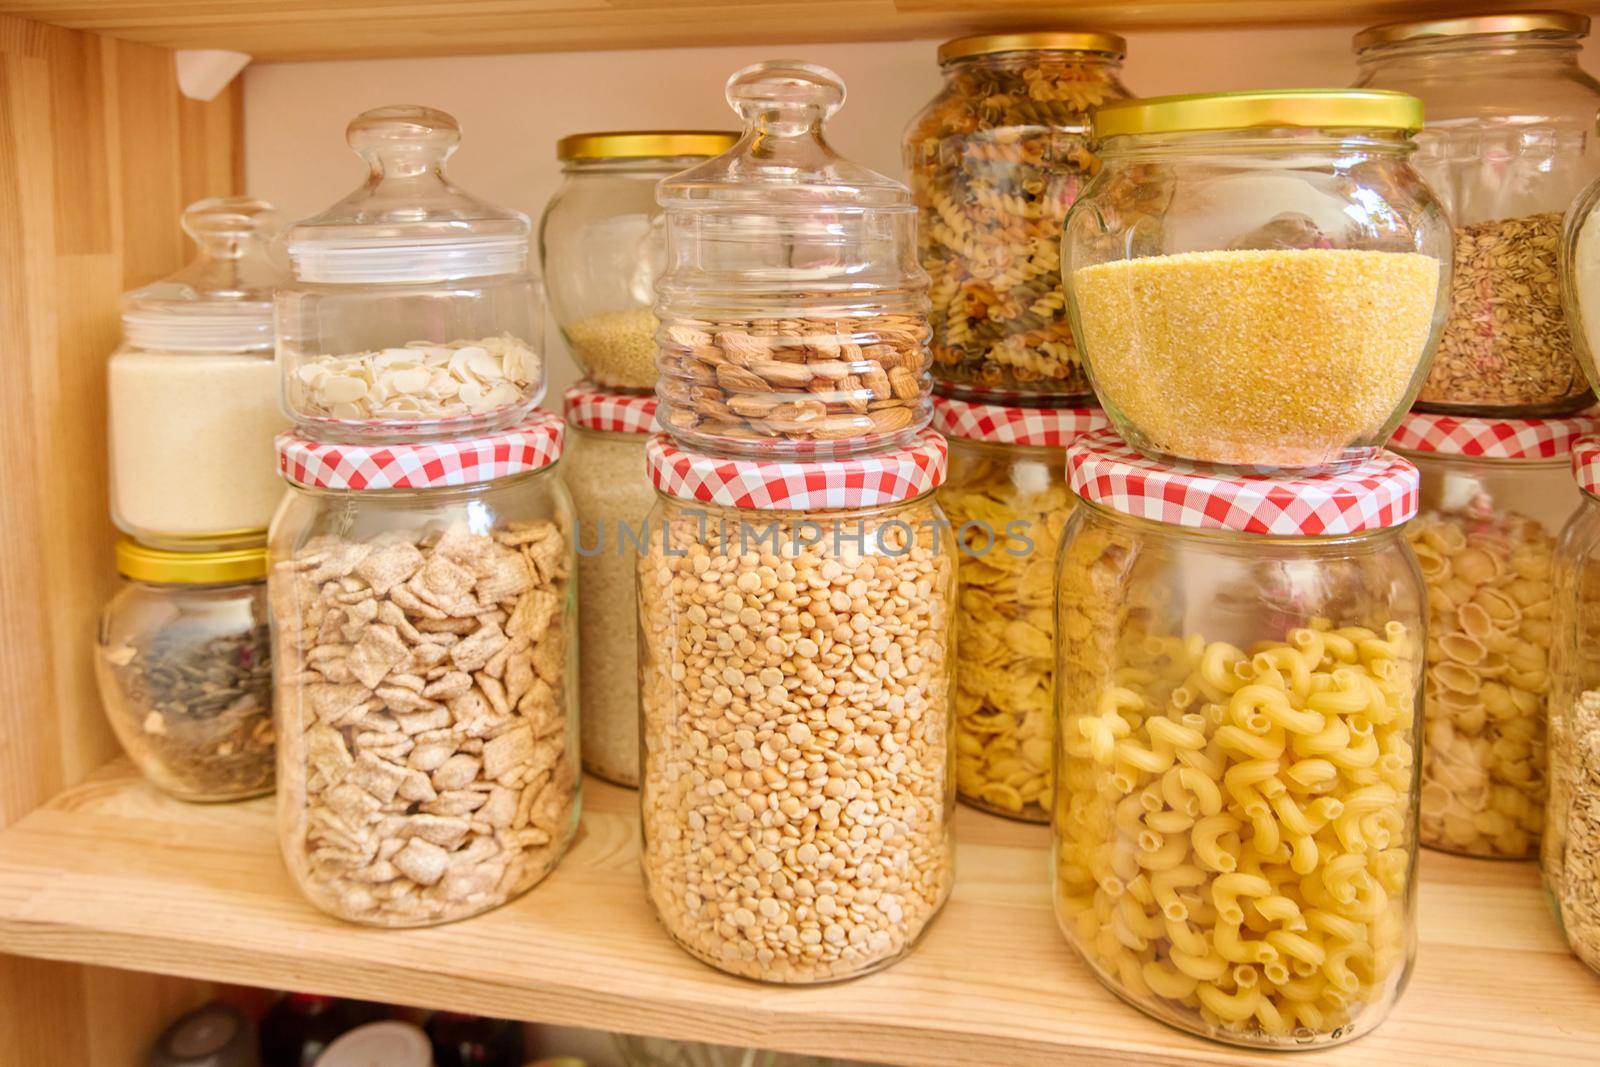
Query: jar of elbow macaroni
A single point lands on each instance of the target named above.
(1007, 500)
(1495, 495)
(1239, 706)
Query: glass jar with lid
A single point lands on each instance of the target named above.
(1495, 496)
(1007, 500)
(1239, 691)
(602, 245)
(1257, 280)
(606, 473)
(414, 314)
(1509, 142)
(422, 632)
(795, 651)
(995, 160)
(794, 311)
(191, 392)
(185, 669)
(1570, 850)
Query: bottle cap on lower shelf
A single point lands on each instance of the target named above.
(213, 1035)
(385, 1044)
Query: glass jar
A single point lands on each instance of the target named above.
(794, 312)
(797, 781)
(1257, 280)
(1495, 495)
(185, 670)
(1239, 691)
(1509, 143)
(610, 484)
(995, 160)
(1007, 499)
(413, 314)
(422, 630)
(191, 391)
(1570, 852)
(602, 245)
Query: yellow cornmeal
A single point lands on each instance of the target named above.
(1278, 357)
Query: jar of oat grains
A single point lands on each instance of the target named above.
(1495, 495)
(795, 647)
(1239, 693)
(421, 600)
(1007, 499)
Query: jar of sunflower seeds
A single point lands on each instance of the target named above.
(1007, 500)
(996, 159)
(422, 613)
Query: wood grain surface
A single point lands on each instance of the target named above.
(116, 873)
(349, 29)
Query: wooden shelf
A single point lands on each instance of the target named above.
(115, 874)
(275, 30)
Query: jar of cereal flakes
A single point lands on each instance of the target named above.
(795, 653)
(1239, 692)
(1007, 499)
(423, 651)
(1495, 495)
(413, 314)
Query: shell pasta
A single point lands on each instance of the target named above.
(1233, 826)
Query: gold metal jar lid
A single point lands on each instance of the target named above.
(644, 144)
(1558, 22)
(1045, 41)
(1378, 109)
(145, 564)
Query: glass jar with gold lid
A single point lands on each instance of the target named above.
(602, 246)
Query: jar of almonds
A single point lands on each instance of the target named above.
(795, 649)
(422, 635)
(1495, 496)
(1007, 499)
(794, 312)
(413, 314)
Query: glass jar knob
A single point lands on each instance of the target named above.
(404, 140)
(785, 97)
(228, 227)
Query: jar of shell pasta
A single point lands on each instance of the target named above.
(1239, 692)
(996, 159)
(1007, 500)
(606, 474)
(413, 314)
(602, 245)
(1570, 852)
(1257, 280)
(422, 624)
(795, 644)
(1509, 142)
(794, 312)
(185, 669)
(1495, 496)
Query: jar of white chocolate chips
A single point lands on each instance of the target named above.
(414, 313)
(796, 624)
(422, 607)
(1495, 495)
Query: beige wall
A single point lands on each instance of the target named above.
(513, 108)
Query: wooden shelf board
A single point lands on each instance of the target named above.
(276, 30)
(115, 874)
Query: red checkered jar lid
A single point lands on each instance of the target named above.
(592, 408)
(1458, 435)
(1377, 495)
(808, 485)
(1586, 464)
(534, 445)
(1006, 425)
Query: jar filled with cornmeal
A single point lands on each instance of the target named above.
(1257, 281)
(192, 391)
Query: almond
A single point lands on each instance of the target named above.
(876, 382)
(905, 384)
(890, 420)
(783, 375)
(739, 380)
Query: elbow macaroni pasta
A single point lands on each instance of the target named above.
(1260, 801)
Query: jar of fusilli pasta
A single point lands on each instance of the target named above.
(1570, 852)
(1007, 500)
(1495, 495)
(1239, 689)
(995, 160)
